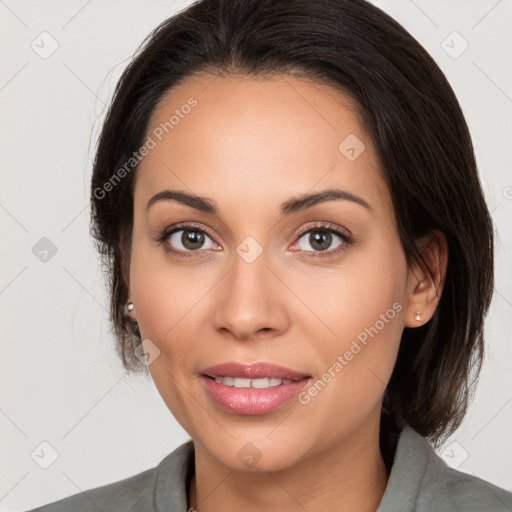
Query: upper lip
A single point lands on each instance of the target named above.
(252, 371)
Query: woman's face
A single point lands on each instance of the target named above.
(249, 286)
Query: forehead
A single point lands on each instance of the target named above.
(258, 138)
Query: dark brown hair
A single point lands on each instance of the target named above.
(418, 131)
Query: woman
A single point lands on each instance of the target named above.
(286, 197)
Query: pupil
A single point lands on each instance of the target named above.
(192, 239)
(321, 237)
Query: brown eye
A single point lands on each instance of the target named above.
(189, 240)
(319, 240)
(192, 239)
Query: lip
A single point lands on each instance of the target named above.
(252, 371)
(252, 401)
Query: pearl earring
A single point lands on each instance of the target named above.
(417, 316)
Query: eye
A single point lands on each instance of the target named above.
(190, 240)
(186, 238)
(321, 238)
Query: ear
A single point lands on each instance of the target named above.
(424, 288)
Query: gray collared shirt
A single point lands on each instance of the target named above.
(420, 481)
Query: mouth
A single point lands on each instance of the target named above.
(253, 371)
(260, 383)
(252, 389)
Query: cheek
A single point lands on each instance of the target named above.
(163, 293)
(172, 312)
(367, 288)
(361, 309)
(165, 306)
(165, 298)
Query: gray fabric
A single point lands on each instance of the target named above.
(420, 481)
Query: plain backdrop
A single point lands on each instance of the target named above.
(61, 383)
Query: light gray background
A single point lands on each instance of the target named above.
(60, 380)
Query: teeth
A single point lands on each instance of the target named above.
(252, 383)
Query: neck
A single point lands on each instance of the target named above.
(348, 476)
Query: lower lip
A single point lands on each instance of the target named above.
(252, 401)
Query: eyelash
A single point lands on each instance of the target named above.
(347, 240)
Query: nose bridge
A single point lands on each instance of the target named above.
(249, 298)
(249, 275)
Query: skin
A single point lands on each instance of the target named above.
(250, 145)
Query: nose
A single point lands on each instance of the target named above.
(251, 301)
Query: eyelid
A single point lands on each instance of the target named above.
(328, 226)
(188, 225)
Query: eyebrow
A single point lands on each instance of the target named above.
(293, 205)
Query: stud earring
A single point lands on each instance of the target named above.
(417, 316)
(130, 306)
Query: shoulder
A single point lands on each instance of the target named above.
(453, 490)
(433, 485)
(142, 491)
(121, 495)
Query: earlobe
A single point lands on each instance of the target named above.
(426, 285)
(130, 309)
